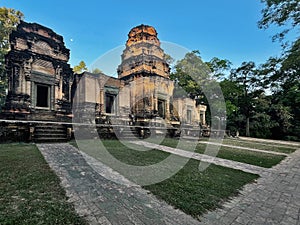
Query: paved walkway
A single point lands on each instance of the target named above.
(273, 199)
(206, 158)
(103, 201)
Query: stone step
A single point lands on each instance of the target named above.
(42, 130)
(50, 133)
(44, 139)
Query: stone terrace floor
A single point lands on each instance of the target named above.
(273, 199)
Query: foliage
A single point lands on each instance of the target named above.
(247, 78)
(97, 71)
(81, 67)
(281, 13)
(219, 67)
(191, 74)
(9, 19)
(169, 59)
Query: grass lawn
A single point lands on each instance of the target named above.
(254, 158)
(30, 192)
(259, 145)
(195, 192)
(190, 190)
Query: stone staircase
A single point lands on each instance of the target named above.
(127, 133)
(50, 133)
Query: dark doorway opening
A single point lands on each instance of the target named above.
(42, 96)
(189, 116)
(110, 103)
(161, 108)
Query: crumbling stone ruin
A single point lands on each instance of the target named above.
(42, 87)
(40, 77)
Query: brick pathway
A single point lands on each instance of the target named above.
(102, 201)
(273, 199)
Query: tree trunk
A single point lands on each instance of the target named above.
(247, 127)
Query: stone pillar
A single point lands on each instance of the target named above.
(32, 94)
(167, 113)
(52, 98)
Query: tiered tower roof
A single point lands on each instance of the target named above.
(143, 55)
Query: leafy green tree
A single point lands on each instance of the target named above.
(282, 73)
(219, 67)
(9, 19)
(169, 59)
(197, 82)
(248, 79)
(81, 67)
(232, 92)
(190, 74)
(283, 13)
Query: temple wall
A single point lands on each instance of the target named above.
(39, 75)
(183, 105)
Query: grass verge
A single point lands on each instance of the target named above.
(196, 192)
(256, 145)
(245, 156)
(30, 192)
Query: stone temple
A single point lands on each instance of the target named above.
(42, 86)
(40, 77)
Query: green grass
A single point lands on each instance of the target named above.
(195, 192)
(190, 190)
(29, 190)
(250, 157)
(244, 156)
(256, 145)
(133, 155)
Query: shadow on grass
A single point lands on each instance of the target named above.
(30, 192)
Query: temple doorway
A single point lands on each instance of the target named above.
(42, 96)
(161, 108)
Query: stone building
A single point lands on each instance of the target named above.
(143, 92)
(40, 77)
(42, 86)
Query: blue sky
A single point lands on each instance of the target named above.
(220, 28)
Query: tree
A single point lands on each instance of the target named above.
(96, 71)
(196, 81)
(247, 77)
(81, 67)
(190, 74)
(281, 13)
(232, 92)
(9, 19)
(219, 67)
(169, 59)
(283, 73)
